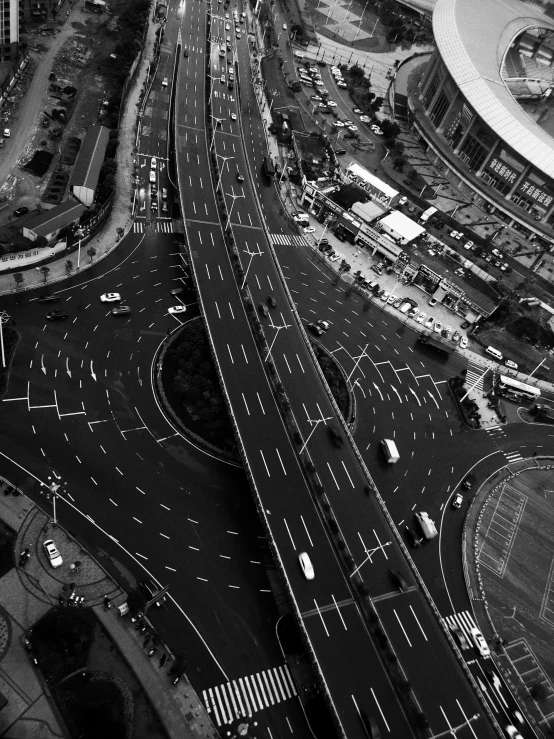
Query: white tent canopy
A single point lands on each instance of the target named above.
(355, 172)
(400, 227)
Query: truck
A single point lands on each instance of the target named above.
(427, 526)
(269, 169)
(435, 343)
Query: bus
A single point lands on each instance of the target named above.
(516, 389)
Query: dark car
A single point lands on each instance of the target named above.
(21, 211)
(272, 302)
(340, 152)
(398, 580)
(185, 53)
(335, 435)
(413, 537)
(119, 310)
(240, 178)
(466, 324)
(315, 329)
(263, 310)
(370, 726)
(150, 589)
(57, 315)
(321, 63)
(324, 241)
(469, 482)
(48, 299)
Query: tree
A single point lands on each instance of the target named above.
(18, 279)
(91, 251)
(398, 163)
(69, 267)
(40, 242)
(45, 271)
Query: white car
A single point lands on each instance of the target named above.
(284, 26)
(456, 235)
(54, 557)
(352, 128)
(338, 124)
(458, 500)
(376, 130)
(110, 297)
(177, 309)
(479, 641)
(299, 217)
(7, 133)
(463, 342)
(153, 163)
(385, 297)
(164, 82)
(233, 116)
(227, 27)
(342, 84)
(512, 732)
(331, 104)
(365, 119)
(335, 258)
(222, 79)
(421, 317)
(437, 327)
(306, 565)
(309, 230)
(429, 322)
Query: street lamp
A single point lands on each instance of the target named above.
(54, 484)
(225, 160)
(232, 195)
(315, 423)
(453, 730)
(217, 120)
(277, 329)
(251, 254)
(4, 318)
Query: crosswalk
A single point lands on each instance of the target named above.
(245, 696)
(495, 431)
(474, 373)
(513, 456)
(287, 240)
(463, 621)
(165, 227)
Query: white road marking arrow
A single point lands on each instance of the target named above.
(380, 393)
(92, 371)
(43, 368)
(396, 391)
(67, 366)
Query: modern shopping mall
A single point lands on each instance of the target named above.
(482, 107)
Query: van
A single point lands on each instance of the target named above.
(153, 163)
(390, 451)
(152, 176)
(494, 353)
(426, 525)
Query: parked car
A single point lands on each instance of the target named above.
(54, 557)
(18, 212)
(421, 317)
(398, 579)
(325, 325)
(271, 301)
(413, 538)
(437, 327)
(397, 303)
(456, 337)
(463, 342)
(432, 302)
(429, 322)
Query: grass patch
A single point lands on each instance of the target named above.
(335, 380)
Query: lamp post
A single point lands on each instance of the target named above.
(315, 423)
(4, 318)
(232, 195)
(54, 484)
(374, 27)
(360, 22)
(453, 730)
(251, 254)
(217, 120)
(225, 160)
(277, 329)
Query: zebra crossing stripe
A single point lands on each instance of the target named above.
(224, 692)
(252, 700)
(216, 712)
(260, 702)
(268, 688)
(289, 694)
(247, 704)
(273, 684)
(237, 693)
(232, 696)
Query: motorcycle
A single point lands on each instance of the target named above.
(176, 679)
(152, 651)
(107, 602)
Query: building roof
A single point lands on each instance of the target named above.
(55, 218)
(368, 211)
(402, 225)
(355, 170)
(473, 37)
(90, 158)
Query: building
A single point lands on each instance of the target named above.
(84, 179)
(378, 189)
(51, 222)
(9, 31)
(482, 108)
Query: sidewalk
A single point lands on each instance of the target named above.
(120, 217)
(29, 592)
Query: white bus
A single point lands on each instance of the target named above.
(516, 389)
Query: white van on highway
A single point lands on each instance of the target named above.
(390, 451)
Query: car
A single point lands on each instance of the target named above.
(456, 337)
(437, 328)
(316, 98)
(335, 258)
(306, 566)
(300, 217)
(165, 209)
(263, 310)
(110, 297)
(57, 315)
(7, 133)
(226, 16)
(231, 75)
(284, 26)
(352, 128)
(377, 269)
(222, 79)
(227, 27)
(415, 540)
(309, 230)
(324, 241)
(469, 481)
(469, 245)
(406, 307)
(238, 35)
(325, 247)
(429, 322)
(343, 85)
(119, 310)
(338, 124)
(315, 329)
(154, 204)
(421, 317)
(447, 330)
(340, 152)
(465, 324)
(164, 193)
(150, 589)
(321, 63)
(512, 365)
(54, 557)
(152, 176)
(177, 309)
(412, 313)
(164, 82)
(512, 732)
(365, 119)
(397, 303)
(178, 290)
(357, 111)
(233, 116)
(153, 163)
(240, 178)
(398, 579)
(391, 299)
(376, 130)
(385, 296)
(325, 325)
(331, 104)
(299, 55)
(335, 436)
(186, 53)
(21, 211)
(432, 302)
(318, 83)
(463, 342)
(480, 642)
(271, 301)
(459, 634)
(497, 253)
(457, 500)
(48, 299)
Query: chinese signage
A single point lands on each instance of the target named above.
(499, 168)
(534, 192)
